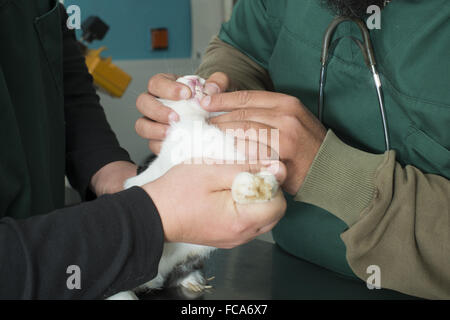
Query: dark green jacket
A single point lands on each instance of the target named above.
(43, 96)
(357, 208)
(31, 112)
(51, 124)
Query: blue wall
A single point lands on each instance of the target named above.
(130, 22)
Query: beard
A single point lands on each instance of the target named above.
(351, 8)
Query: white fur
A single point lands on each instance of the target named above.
(246, 187)
(125, 295)
(186, 141)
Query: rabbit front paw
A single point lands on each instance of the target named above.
(251, 188)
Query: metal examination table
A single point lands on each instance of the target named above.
(263, 271)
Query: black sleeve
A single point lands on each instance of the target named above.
(116, 241)
(90, 142)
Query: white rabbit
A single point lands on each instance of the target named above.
(192, 137)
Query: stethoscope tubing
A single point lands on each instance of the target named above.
(369, 58)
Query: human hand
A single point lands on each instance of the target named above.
(196, 206)
(300, 133)
(110, 179)
(155, 121)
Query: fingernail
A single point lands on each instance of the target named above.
(185, 93)
(167, 131)
(206, 101)
(173, 117)
(211, 88)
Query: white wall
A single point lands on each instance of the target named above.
(207, 18)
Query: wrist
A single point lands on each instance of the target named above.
(304, 161)
(341, 179)
(155, 192)
(111, 178)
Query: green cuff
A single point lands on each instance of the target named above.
(341, 179)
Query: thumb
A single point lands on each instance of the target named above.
(218, 82)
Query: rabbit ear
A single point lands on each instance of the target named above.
(186, 79)
(192, 81)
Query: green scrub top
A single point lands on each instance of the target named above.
(32, 143)
(412, 49)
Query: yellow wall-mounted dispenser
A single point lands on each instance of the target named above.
(107, 75)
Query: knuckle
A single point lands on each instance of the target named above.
(290, 137)
(225, 76)
(219, 74)
(140, 100)
(247, 125)
(153, 82)
(290, 122)
(218, 100)
(243, 97)
(138, 126)
(290, 104)
(237, 228)
(290, 101)
(242, 116)
(154, 146)
(221, 78)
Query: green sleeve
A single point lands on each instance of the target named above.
(341, 179)
(398, 217)
(243, 72)
(252, 18)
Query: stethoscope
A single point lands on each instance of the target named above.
(369, 58)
